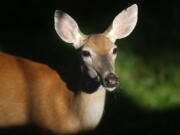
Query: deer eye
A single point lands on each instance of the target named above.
(86, 53)
(115, 51)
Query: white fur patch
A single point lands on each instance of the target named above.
(110, 89)
(94, 111)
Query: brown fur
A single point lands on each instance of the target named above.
(33, 92)
(99, 43)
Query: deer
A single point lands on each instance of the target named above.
(33, 92)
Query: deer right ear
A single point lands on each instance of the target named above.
(67, 28)
(123, 24)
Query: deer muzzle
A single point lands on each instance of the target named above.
(111, 81)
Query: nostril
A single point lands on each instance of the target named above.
(107, 81)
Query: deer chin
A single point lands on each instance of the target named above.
(110, 89)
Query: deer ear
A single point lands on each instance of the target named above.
(123, 24)
(67, 28)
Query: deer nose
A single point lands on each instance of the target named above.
(111, 80)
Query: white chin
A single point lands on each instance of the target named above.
(110, 89)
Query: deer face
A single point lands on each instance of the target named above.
(98, 51)
(98, 54)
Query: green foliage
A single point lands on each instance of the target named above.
(152, 83)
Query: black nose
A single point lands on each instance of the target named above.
(111, 80)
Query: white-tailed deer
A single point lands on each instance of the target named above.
(31, 92)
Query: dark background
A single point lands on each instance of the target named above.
(27, 30)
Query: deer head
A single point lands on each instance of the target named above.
(97, 51)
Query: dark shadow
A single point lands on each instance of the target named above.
(124, 117)
(23, 130)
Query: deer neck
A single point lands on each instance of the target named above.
(89, 107)
(90, 102)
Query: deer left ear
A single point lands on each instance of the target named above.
(123, 24)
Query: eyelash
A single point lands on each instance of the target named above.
(114, 51)
(85, 53)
